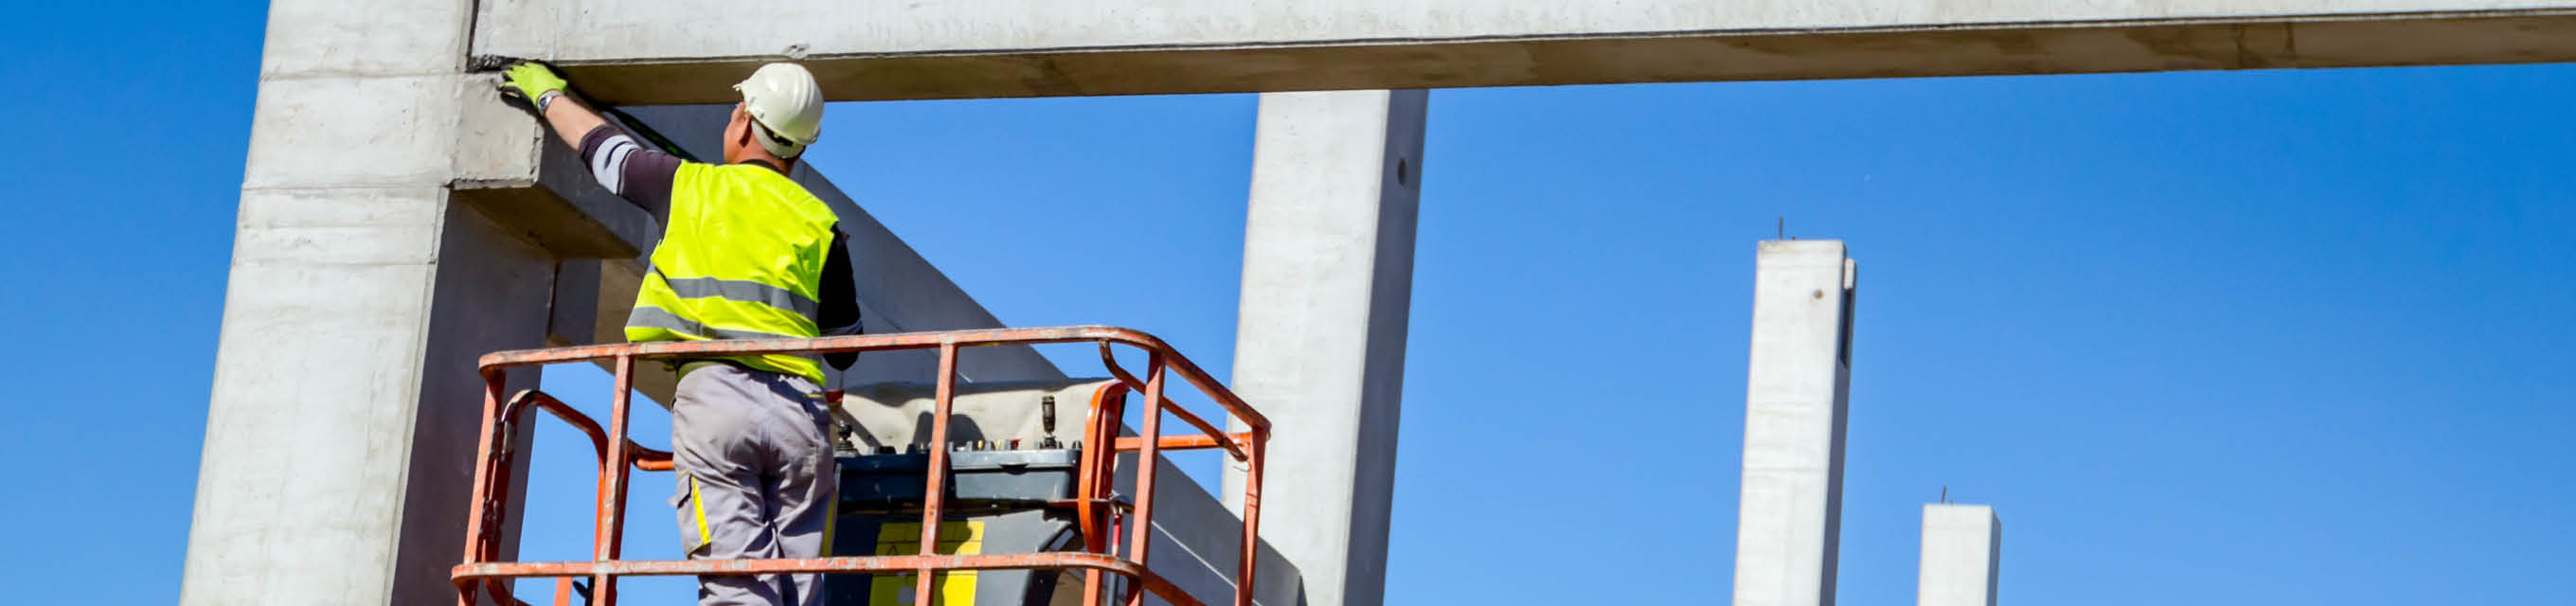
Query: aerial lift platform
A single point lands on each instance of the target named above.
(981, 493)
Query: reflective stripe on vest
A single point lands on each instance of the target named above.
(742, 258)
(655, 317)
(743, 290)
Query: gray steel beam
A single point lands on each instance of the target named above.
(687, 51)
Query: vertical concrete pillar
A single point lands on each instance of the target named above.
(1319, 344)
(1788, 522)
(340, 429)
(1962, 547)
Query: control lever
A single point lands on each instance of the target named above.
(1046, 417)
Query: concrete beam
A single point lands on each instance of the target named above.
(1319, 344)
(1963, 548)
(687, 51)
(1789, 520)
(509, 168)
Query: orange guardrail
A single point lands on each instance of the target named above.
(1094, 507)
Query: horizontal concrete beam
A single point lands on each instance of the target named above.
(519, 175)
(688, 51)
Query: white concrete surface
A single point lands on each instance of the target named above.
(313, 488)
(1789, 519)
(508, 167)
(1963, 548)
(490, 295)
(1319, 343)
(1010, 48)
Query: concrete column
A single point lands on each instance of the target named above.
(1319, 344)
(1789, 520)
(1962, 547)
(340, 430)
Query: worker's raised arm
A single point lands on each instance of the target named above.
(641, 175)
(551, 95)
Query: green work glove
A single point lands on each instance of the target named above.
(532, 80)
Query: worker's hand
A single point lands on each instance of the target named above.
(531, 81)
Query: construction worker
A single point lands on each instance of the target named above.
(746, 253)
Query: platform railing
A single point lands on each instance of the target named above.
(1100, 516)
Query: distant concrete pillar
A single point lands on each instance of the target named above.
(1319, 344)
(1962, 548)
(1789, 519)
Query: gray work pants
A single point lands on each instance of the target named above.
(757, 479)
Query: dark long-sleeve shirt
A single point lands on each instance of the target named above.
(644, 176)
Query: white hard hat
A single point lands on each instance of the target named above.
(785, 103)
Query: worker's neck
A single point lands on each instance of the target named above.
(773, 164)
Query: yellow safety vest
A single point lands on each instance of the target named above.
(742, 258)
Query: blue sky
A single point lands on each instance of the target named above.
(2220, 338)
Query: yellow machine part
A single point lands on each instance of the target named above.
(904, 538)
